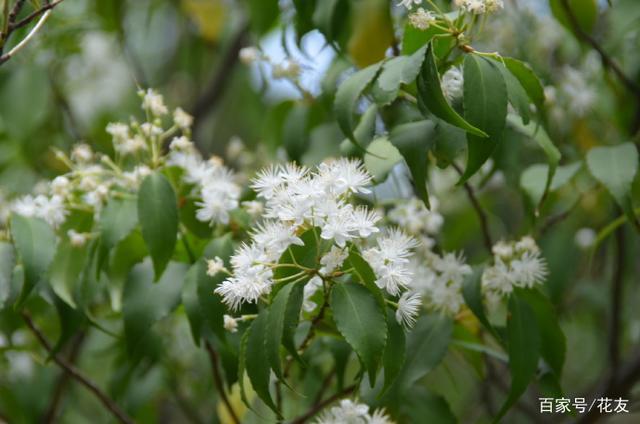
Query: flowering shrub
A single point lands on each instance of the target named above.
(387, 235)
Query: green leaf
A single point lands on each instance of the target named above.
(146, 302)
(394, 352)
(523, 346)
(117, 220)
(485, 106)
(332, 17)
(431, 96)
(449, 142)
(422, 406)
(124, 256)
(553, 343)
(363, 133)
(158, 216)
(472, 293)
(427, 344)
(518, 97)
(211, 305)
(347, 96)
(615, 167)
(35, 242)
(363, 324)
(7, 263)
(534, 179)
(395, 72)
(284, 315)
(295, 135)
(64, 274)
(264, 14)
(414, 39)
(381, 157)
(584, 11)
(284, 312)
(541, 137)
(528, 80)
(257, 367)
(413, 140)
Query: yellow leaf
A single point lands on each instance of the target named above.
(208, 15)
(372, 32)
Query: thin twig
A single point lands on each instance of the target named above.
(63, 380)
(217, 380)
(45, 8)
(320, 406)
(118, 413)
(324, 387)
(26, 39)
(606, 59)
(482, 216)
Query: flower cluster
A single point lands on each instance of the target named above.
(516, 264)
(414, 217)
(439, 279)
(298, 199)
(349, 412)
(422, 19)
(93, 178)
(479, 7)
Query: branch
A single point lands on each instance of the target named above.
(45, 8)
(74, 373)
(482, 216)
(607, 61)
(216, 87)
(63, 380)
(217, 380)
(320, 406)
(26, 39)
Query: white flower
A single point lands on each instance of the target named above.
(364, 221)
(51, 209)
(267, 181)
(131, 145)
(77, 239)
(409, 306)
(230, 323)
(247, 286)
(409, 3)
(275, 237)
(333, 260)
(119, 132)
(253, 208)
(310, 289)
(219, 191)
(214, 266)
(453, 84)
(154, 103)
(344, 175)
(477, 7)
(82, 153)
(493, 5)
(517, 264)
(389, 260)
(25, 206)
(414, 217)
(182, 119)
(61, 186)
(379, 417)
(181, 143)
(235, 148)
(347, 413)
(150, 130)
(249, 55)
(529, 270)
(585, 238)
(422, 19)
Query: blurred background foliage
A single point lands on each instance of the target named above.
(83, 70)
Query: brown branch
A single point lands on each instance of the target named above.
(217, 380)
(482, 216)
(63, 382)
(74, 373)
(320, 406)
(33, 15)
(213, 92)
(607, 61)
